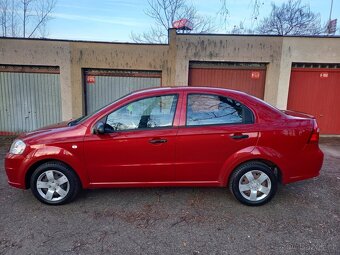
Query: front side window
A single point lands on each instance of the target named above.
(152, 112)
(205, 109)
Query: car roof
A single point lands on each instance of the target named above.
(189, 88)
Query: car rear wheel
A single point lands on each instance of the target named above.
(54, 183)
(253, 183)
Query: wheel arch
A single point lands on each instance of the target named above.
(274, 167)
(38, 163)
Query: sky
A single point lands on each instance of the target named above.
(114, 20)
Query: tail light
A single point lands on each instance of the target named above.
(314, 137)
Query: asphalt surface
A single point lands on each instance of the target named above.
(303, 218)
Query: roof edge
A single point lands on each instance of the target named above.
(79, 41)
(259, 35)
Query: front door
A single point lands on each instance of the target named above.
(138, 146)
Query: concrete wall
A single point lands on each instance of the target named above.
(172, 59)
(114, 56)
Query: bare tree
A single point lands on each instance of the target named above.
(164, 13)
(25, 18)
(291, 18)
(223, 13)
(241, 29)
(14, 20)
(4, 16)
(256, 6)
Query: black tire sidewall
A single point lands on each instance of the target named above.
(239, 172)
(72, 178)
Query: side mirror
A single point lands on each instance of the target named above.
(99, 128)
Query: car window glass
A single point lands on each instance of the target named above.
(212, 109)
(152, 112)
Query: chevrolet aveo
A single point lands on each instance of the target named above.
(182, 136)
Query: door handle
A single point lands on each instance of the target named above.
(155, 141)
(239, 136)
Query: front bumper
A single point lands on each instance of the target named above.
(15, 170)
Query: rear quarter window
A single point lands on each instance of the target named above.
(206, 109)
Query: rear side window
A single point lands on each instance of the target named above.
(203, 109)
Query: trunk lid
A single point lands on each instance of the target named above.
(298, 114)
(315, 131)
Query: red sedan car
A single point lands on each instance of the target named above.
(182, 136)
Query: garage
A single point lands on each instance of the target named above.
(29, 98)
(246, 77)
(315, 89)
(105, 86)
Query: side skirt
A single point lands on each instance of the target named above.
(154, 184)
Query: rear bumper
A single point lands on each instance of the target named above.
(305, 166)
(15, 170)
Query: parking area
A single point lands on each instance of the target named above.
(303, 218)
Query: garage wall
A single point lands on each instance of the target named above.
(115, 56)
(278, 52)
(73, 56)
(231, 48)
(303, 50)
(42, 53)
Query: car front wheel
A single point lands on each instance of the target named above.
(54, 183)
(253, 183)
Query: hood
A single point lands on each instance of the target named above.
(57, 125)
(45, 129)
(52, 132)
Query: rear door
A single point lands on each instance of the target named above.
(214, 128)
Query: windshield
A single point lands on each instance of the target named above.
(85, 117)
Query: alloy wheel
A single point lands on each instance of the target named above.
(254, 185)
(52, 185)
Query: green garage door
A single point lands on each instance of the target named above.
(104, 86)
(29, 98)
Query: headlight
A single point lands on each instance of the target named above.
(17, 147)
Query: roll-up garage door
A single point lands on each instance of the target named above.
(246, 77)
(105, 86)
(29, 98)
(315, 89)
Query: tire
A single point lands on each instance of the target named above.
(54, 183)
(253, 183)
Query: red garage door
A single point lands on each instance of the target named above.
(246, 77)
(317, 91)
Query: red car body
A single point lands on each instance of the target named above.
(192, 156)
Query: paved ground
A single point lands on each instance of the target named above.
(303, 218)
